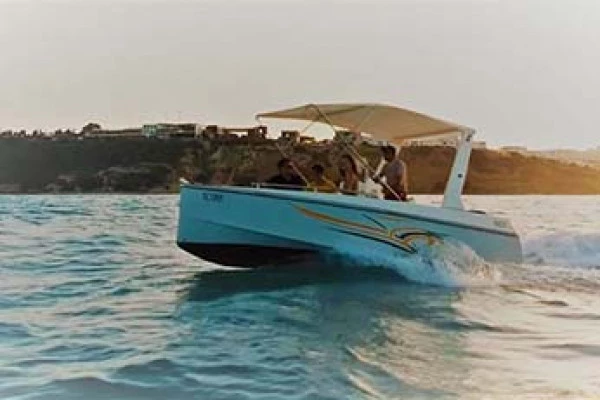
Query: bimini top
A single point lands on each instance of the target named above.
(384, 122)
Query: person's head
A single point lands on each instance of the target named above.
(220, 176)
(285, 168)
(347, 164)
(318, 170)
(389, 152)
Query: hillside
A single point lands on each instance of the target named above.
(155, 165)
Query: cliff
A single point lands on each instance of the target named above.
(155, 165)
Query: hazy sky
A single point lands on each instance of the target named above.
(522, 72)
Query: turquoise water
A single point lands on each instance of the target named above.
(97, 302)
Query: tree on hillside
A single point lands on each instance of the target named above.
(91, 127)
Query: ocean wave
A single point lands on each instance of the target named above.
(107, 306)
(570, 249)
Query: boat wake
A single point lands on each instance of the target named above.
(454, 264)
(450, 264)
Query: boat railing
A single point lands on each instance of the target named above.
(283, 186)
(266, 185)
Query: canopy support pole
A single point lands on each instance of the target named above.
(293, 164)
(458, 174)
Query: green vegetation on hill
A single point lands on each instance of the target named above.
(155, 165)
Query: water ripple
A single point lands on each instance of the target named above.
(96, 301)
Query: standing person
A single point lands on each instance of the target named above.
(395, 175)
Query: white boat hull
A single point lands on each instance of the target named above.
(250, 227)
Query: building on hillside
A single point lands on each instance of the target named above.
(289, 136)
(114, 133)
(167, 130)
(257, 132)
(211, 131)
(479, 144)
(514, 149)
(307, 140)
(444, 142)
(253, 133)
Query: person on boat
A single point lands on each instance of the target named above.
(222, 176)
(286, 176)
(320, 182)
(349, 175)
(394, 172)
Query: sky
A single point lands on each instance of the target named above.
(522, 72)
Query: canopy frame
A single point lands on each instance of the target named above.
(456, 180)
(387, 123)
(349, 148)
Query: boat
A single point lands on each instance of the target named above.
(259, 225)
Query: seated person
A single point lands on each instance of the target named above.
(349, 175)
(319, 181)
(394, 172)
(222, 177)
(286, 176)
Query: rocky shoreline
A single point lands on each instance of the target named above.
(153, 165)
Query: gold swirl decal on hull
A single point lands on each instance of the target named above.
(402, 238)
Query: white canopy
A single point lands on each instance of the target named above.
(384, 122)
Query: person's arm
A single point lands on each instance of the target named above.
(394, 186)
(398, 176)
(404, 178)
(349, 184)
(231, 175)
(354, 183)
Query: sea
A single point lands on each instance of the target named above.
(97, 302)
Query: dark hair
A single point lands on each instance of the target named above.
(389, 149)
(283, 162)
(352, 163)
(318, 168)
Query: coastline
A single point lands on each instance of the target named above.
(154, 166)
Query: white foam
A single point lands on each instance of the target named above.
(449, 264)
(568, 249)
(455, 264)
